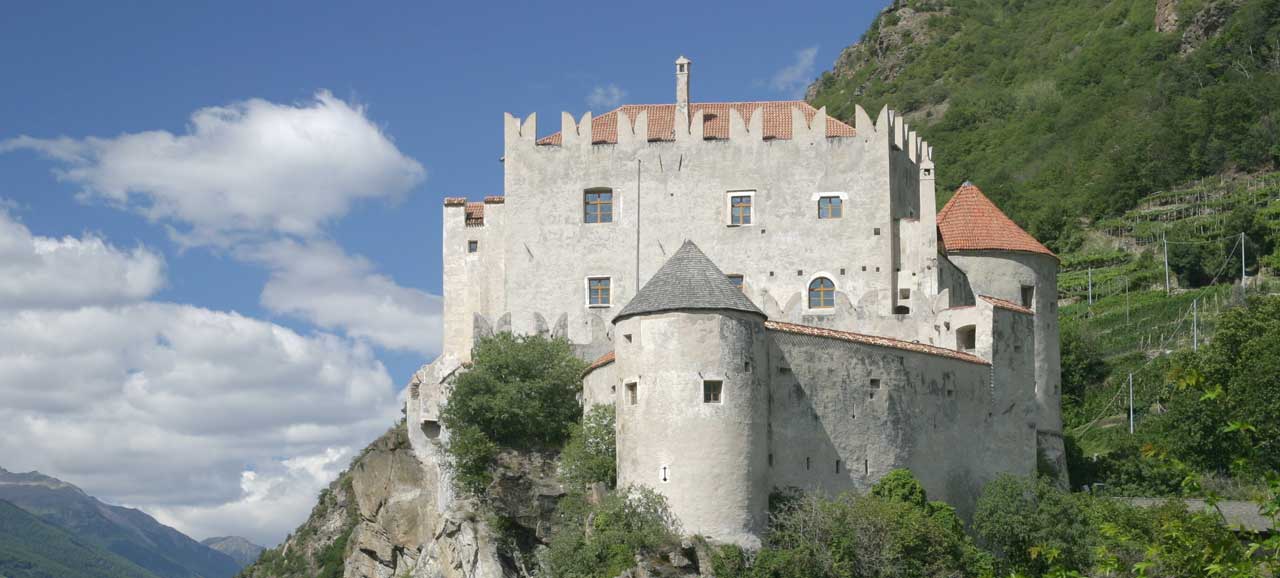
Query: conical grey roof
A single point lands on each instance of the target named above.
(688, 280)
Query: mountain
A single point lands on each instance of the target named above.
(1061, 110)
(126, 532)
(240, 549)
(31, 548)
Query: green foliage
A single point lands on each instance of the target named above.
(602, 541)
(591, 455)
(1024, 520)
(1063, 109)
(1083, 364)
(32, 548)
(894, 531)
(520, 392)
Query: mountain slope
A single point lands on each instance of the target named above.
(31, 548)
(239, 549)
(129, 533)
(1067, 109)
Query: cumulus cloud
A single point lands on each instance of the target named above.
(319, 282)
(165, 407)
(47, 272)
(795, 77)
(244, 169)
(605, 96)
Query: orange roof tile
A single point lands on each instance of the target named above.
(1003, 304)
(873, 340)
(971, 222)
(715, 120)
(475, 214)
(604, 360)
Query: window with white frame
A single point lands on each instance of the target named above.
(741, 206)
(830, 207)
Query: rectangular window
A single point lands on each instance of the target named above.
(736, 280)
(632, 396)
(597, 205)
(1028, 295)
(473, 246)
(598, 291)
(830, 208)
(967, 338)
(711, 391)
(904, 293)
(739, 209)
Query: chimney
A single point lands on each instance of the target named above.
(682, 89)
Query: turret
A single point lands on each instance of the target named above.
(682, 89)
(692, 404)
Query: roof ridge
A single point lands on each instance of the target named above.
(873, 340)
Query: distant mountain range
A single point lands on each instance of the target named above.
(106, 541)
(240, 549)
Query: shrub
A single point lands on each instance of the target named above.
(604, 540)
(520, 392)
(1032, 525)
(591, 454)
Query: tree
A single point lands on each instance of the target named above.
(1033, 525)
(591, 455)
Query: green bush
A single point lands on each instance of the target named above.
(602, 541)
(1032, 525)
(591, 454)
(519, 392)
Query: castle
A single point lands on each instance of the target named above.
(770, 298)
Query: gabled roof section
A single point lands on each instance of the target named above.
(776, 117)
(688, 280)
(971, 222)
(601, 361)
(1004, 304)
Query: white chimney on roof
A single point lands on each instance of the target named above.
(682, 88)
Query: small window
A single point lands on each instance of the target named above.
(901, 310)
(711, 391)
(473, 246)
(904, 293)
(808, 462)
(830, 208)
(627, 336)
(632, 395)
(875, 383)
(598, 292)
(739, 209)
(822, 293)
(665, 474)
(597, 205)
(967, 338)
(736, 280)
(837, 466)
(876, 230)
(1028, 295)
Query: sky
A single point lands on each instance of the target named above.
(220, 222)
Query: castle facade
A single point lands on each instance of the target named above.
(771, 299)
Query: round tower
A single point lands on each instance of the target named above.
(1002, 260)
(692, 403)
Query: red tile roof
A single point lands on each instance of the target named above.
(971, 222)
(1010, 305)
(872, 340)
(475, 214)
(604, 360)
(715, 120)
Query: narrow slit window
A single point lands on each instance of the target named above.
(597, 205)
(598, 291)
(740, 209)
(1028, 295)
(711, 390)
(473, 246)
(822, 293)
(830, 208)
(632, 395)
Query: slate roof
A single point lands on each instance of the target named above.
(688, 280)
(872, 340)
(776, 118)
(971, 222)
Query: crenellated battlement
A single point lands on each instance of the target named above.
(472, 213)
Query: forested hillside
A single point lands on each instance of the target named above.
(1061, 110)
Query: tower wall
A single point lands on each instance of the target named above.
(1003, 274)
(708, 459)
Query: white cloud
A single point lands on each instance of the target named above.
(46, 272)
(163, 406)
(605, 96)
(322, 284)
(795, 77)
(241, 170)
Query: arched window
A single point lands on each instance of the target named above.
(822, 293)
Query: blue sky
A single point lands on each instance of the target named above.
(133, 241)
